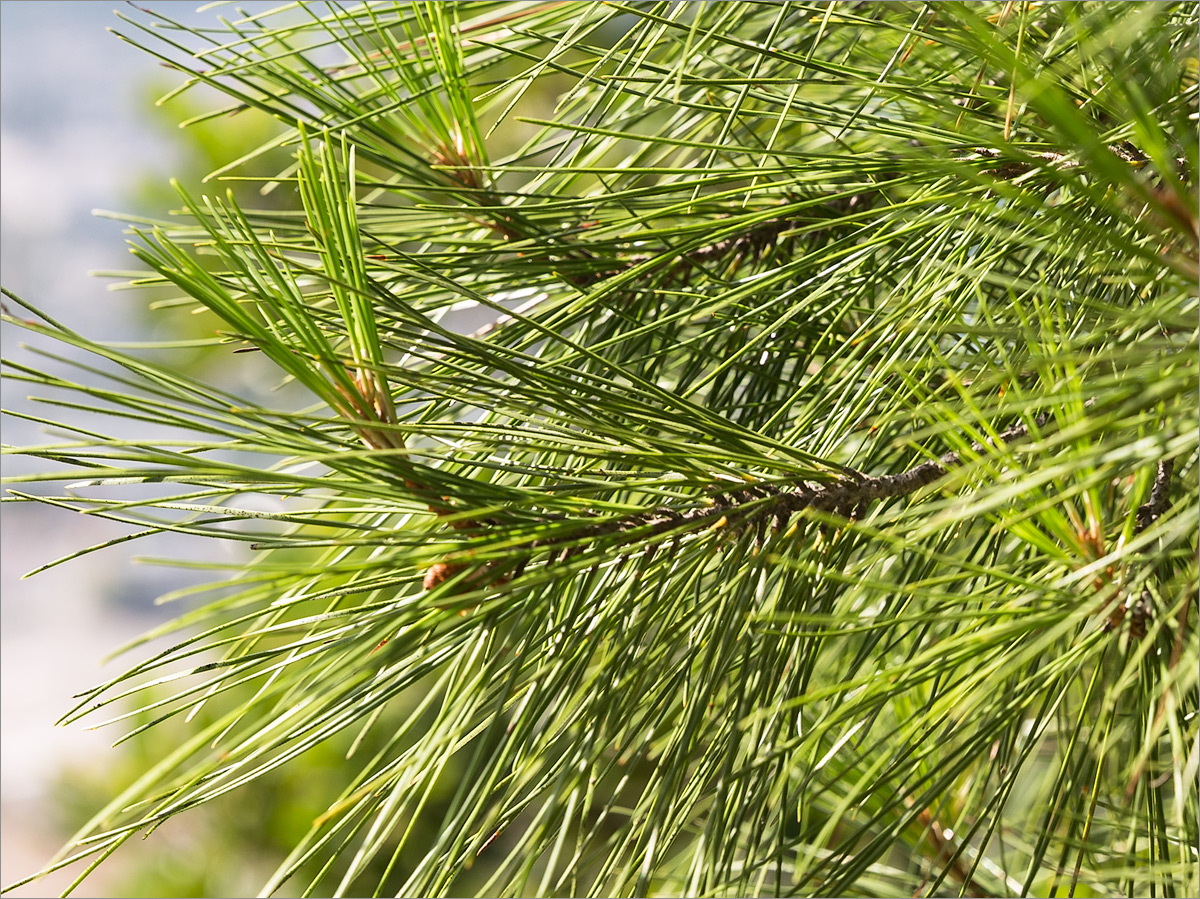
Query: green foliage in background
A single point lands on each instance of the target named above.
(771, 470)
(202, 144)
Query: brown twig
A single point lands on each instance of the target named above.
(1142, 609)
(1153, 509)
(757, 506)
(946, 847)
(1125, 151)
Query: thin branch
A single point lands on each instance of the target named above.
(1142, 609)
(757, 505)
(1153, 509)
(1125, 151)
(845, 496)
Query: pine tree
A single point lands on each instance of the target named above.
(769, 469)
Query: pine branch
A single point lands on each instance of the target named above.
(1142, 609)
(1160, 500)
(735, 510)
(1125, 151)
(751, 230)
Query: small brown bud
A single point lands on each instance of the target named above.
(442, 571)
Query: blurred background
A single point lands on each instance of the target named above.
(79, 132)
